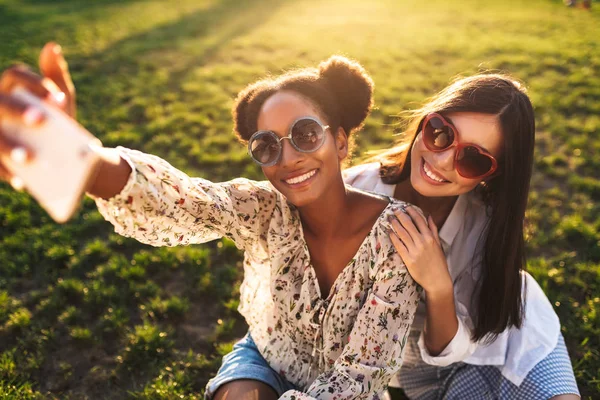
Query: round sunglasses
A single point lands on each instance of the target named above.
(471, 161)
(306, 135)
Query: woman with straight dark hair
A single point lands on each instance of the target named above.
(485, 328)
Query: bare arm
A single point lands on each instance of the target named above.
(418, 243)
(56, 86)
(441, 323)
(112, 174)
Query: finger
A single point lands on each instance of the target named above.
(399, 246)
(16, 182)
(402, 233)
(434, 229)
(5, 175)
(43, 88)
(13, 108)
(18, 153)
(54, 66)
(16, 110)
(408, 225)
(418, 219)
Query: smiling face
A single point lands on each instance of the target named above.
(434, 174)
(301, 177)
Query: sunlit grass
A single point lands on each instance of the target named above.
(82, 310)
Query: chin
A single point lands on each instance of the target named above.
(427, 191)
(298, 199)
(301, 200)
(450, 190)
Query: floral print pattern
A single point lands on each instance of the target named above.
(345, 346)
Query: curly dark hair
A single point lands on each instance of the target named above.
(340, 88)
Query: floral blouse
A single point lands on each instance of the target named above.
(345, 346)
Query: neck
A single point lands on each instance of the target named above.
(438, 207)
(324, 216)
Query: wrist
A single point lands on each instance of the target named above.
(112, 174)
(444, 291)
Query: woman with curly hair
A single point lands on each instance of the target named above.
(327, 298)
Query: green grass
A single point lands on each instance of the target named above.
(85, 313)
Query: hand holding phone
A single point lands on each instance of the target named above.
(64, 159)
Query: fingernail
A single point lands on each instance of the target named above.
(59, 97)
(57, 50)
(18, 155)
(32, 116)
(17, 183)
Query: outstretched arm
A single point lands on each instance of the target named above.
(56, 87)
(162, 206)
(112, 174)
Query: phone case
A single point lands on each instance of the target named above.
(64, 160)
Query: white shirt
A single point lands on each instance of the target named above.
(515, 351)
(347, 345)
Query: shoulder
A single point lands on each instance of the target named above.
(366, 177)
(361, 172)
(244, 195)
(382, 247)
(250, 186)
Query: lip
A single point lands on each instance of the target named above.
(300, 173)
(428, 179)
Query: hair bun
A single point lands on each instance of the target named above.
(352, 87)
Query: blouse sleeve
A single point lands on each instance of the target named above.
(162, 206)
(375, 347)
(460, 347)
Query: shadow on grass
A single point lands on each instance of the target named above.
(123, 77)
(209, 29)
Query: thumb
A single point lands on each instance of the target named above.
(54, 66)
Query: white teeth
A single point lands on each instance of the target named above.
(300, 178)
(430, 174)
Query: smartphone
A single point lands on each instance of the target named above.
(64, 158)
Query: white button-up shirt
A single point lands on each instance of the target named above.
(515, 351)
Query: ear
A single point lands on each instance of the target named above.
(341, 143)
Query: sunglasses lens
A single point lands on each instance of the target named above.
(265, 147)
(437, 135)
(471, 163)
(307, 135)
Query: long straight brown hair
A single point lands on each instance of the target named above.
(499, 303)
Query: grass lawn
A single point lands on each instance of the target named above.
(87, 314)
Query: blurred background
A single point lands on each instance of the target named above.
(87, 314)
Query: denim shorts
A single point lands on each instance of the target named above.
(246, 362)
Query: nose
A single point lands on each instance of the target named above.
(290, 157)
(444, 160)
